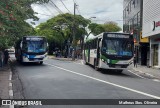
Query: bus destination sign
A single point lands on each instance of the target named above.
(34, 38)
(117, 36)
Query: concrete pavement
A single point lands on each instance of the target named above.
(142, 70)
(152, 72)
(5, 84)
(5, 79)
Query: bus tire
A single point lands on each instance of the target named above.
(95, 67)
(21, 60)
(119, 71)
(85, 62)
(41, 62)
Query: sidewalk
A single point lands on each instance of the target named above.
(4, 83)
(152, 72)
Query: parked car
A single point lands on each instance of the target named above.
(11, 50)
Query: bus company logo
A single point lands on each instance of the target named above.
(155, 24)
(6, 102)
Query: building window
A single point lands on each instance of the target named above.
(135, 21)
(124, 13)
(130, 7)
(133, 3)
(139, 19)
(127, 9)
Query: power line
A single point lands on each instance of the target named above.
(65, 6)
(48, 9)
(78, 11)
(53, 4)
(44, 14)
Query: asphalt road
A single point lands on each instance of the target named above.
(73, 80)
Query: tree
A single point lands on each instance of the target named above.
(96, 28)
(111, 27)
(107, 27)
(60, 28)
(13, 16)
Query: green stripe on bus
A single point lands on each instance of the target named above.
(111, 61)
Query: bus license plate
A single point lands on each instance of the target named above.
(117, 66)
(36, 60)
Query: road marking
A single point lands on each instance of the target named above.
(82, 62)
(116, 85)
(136, 74)
(78, 63)
(11, 93)
(149, 74)
(11, 106)
(140, 71)
(10, 77)
(10, 84)
(156, 80)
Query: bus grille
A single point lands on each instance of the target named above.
(32, 59)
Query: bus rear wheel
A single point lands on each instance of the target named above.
(95, 66)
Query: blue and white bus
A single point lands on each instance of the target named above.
(31, 49)
(109, 51)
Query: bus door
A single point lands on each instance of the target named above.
(98, 51)
(88, 53)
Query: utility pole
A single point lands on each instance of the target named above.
(74, 28)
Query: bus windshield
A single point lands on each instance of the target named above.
(35, 46)
(118, 47)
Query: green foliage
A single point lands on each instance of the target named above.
(111, 27)
(107, 27)
(13, 14)
(96, 28)
(60, 28)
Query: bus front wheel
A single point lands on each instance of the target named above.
(119, 71)
(41, 62)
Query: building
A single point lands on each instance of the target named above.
(132, 23)
(151, 29)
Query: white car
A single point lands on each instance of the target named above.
(11, 50)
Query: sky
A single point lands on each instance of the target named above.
(103, 10)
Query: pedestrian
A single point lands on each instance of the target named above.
(6, 56)
(135, 61)
(1, 58)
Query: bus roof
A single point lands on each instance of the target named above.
(33, 36)
(101, 35)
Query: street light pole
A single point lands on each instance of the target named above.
(73, 43)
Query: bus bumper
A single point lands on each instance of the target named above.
(38, 58)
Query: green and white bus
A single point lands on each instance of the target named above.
(109, 51)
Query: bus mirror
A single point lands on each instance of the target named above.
(100, 39)
(21, 44)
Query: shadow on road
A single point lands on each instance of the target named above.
(113, 72)
(28, 64)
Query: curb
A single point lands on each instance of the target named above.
(10, 86)
(147, 74)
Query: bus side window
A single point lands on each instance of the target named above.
(95, 44)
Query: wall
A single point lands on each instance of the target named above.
(151, 17)
(152, 42)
